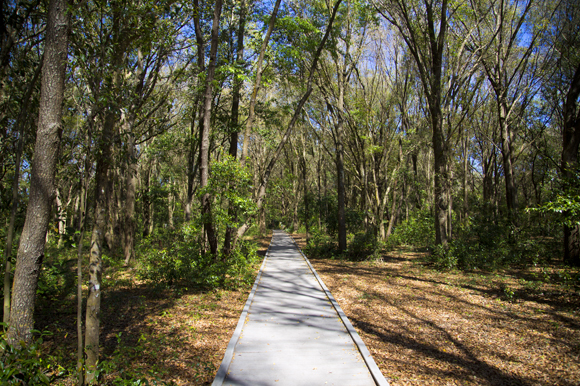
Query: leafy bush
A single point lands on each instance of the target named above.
(182, 260)
(487, 244)
(418, 231)
(321, 245)
(364, 246)
(21, 364)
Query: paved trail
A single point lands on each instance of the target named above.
(292, 332)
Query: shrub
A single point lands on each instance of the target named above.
(320, 245)
(487, 244)
(418, 231)
(23, 364)
(364, 246)
(182, 260)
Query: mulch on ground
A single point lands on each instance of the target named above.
(171, 336)
(425, 327)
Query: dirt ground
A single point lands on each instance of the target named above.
(175, 336)
(425, 327)
(422, 326)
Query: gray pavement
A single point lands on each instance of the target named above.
(292, 332)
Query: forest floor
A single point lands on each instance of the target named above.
(423, 326)
(167, 336)
(427, 327)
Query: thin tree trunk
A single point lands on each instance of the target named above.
(130, 187)
(31, 250)
(257, 83)
(204, 149)
(393, 216)
(81, 232)
(146, 207)
(195, 142)
(113, 208)
(171, 210)
(234, 122)
(464, 181)
(305, 187)
(10, 235)
(318, 172)
(268, 171)
(60, 213)
(97, 246)
(101, 205)
(341, 190)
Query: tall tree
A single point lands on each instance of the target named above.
(570, 145)
(20, 124)
(234, 119)
(513, 39)
(423, 26)
(567, 68)
(257, 83)
(119, 41)
(265, 177)
(42, 190)
(204, 148)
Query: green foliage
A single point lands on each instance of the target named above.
(417, 231)
(23, 364)
(321, 244)
(231, 186)
(364, 246)
(57, 277)
(176, 257)
(487, 244)
(566, 206)
(353, 217)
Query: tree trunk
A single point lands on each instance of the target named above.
(262, 222)
(10, 235)
(192, 165)
(464, 181)
(393, 216)
(261, 191)
(101, 204)
(113, 203)
(97, 245)
(60, 214)
(234, 121)
(257, 83)
(570, 145)
(130, 189)
(81, 232)
(507, 157)
(146, 207)
(31, 250)
(441, 178)
(19, 125)
(305, 187)
(204, 149)
(341, 190)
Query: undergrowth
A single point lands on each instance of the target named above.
(184, 261)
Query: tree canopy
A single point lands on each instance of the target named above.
(447, 125)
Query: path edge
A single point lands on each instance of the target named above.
(229, 354)
(362, 348)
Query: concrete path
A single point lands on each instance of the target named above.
(292, 331)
